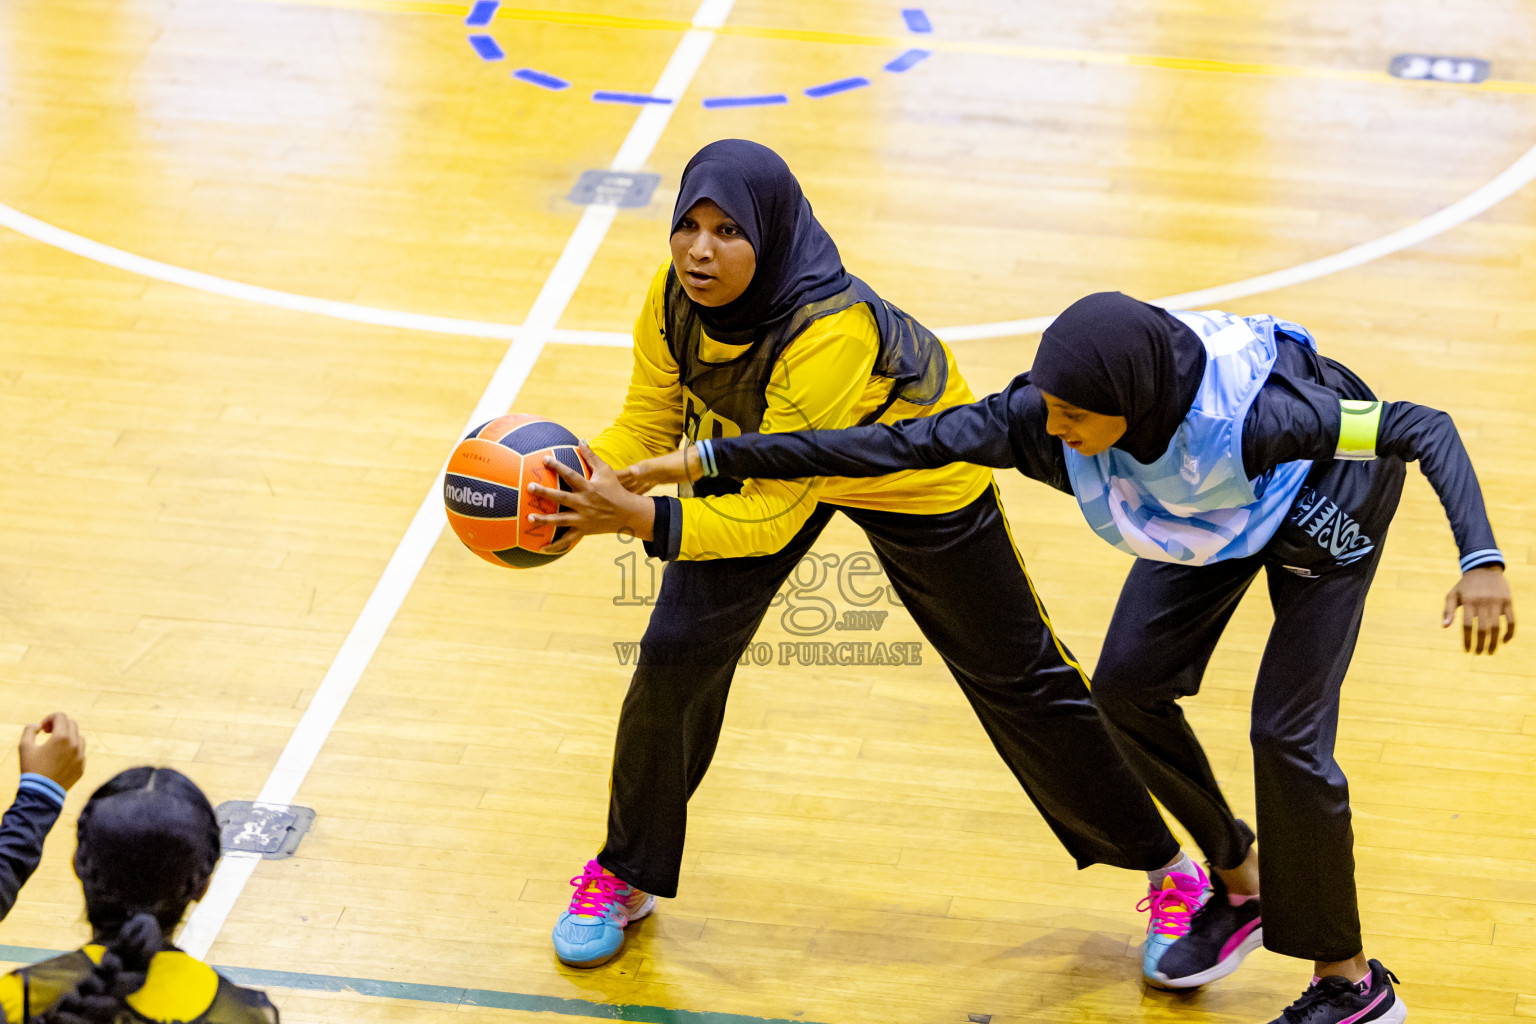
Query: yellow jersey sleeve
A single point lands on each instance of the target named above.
(10, 998)
(818, 382)
(651, 422)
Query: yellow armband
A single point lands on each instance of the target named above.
(1358, 425)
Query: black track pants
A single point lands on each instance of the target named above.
(1164, 629)
(961, 579)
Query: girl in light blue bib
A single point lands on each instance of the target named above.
(1213, 448)
(1194, 503)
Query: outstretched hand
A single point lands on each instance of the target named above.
(599, 505)
(1483, 597)
(679, 467)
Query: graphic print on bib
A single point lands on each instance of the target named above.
(1335, 531)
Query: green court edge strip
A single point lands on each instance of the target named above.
(450, 995)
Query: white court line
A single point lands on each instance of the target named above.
(46, 233)
(1505, 184)
(1509, 181)
(427, 525)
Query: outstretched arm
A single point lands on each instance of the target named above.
(817, 381)
(1001, 431)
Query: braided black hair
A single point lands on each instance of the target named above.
(148, 843)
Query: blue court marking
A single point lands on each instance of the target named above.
(482, 13)
(541, 79)
(816, 92)
(718, 102)
(604, 96)
(908, 60)
(486, 47)
(451, 995)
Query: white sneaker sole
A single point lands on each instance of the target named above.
(1253, 941)
(1396, 1015)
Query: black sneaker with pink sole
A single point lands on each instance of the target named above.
(1220, 935)
(1335, 1000)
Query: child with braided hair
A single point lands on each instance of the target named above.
(148, 843)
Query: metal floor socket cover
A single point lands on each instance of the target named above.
(614, 188)
(272, 830)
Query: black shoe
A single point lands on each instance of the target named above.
(1220, 935)
(1335, 1000)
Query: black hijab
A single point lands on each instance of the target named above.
(797, 261)
(1111, 354)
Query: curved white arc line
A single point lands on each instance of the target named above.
(46, 233)
(1001, 329)
(1513, 178)
(1509, 181)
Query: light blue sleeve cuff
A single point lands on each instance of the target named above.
(44, 785)
(1487, 556)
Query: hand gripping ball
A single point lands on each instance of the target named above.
(488, 505)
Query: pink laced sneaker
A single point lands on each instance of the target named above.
(591, 931)
(1171, 904)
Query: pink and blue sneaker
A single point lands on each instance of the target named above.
(1220, 935)
(1172, 903)
(591, 931)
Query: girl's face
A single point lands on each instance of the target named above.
(712, 256)
(1087, 433)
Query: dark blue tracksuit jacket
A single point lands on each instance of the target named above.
(26, 824)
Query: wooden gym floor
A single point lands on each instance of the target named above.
(203, 481)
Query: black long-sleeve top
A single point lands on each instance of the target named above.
(26, 824)
(1295, 416)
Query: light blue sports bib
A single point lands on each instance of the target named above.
(1195, 505)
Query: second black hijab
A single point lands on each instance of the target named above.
(797, 261)
(1114, 355)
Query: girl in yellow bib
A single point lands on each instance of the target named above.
(148, 842)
